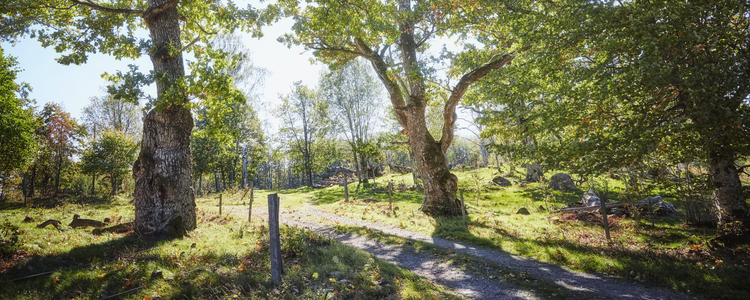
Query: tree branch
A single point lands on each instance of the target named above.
(396, 95)
(95, 6)
(155, 11)
(449, 112)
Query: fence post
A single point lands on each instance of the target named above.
(463, 208)
(220, 205)
(250, 209)
(274, 240)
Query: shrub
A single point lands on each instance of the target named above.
(9, 242)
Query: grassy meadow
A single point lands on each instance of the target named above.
(227, 257)
(654, 250)
(224, 258)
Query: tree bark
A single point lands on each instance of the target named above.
(244, 167)
(33, 180)
(59, 169)
(440, 186)
(216, 181)
(164, 198)
(728, 198)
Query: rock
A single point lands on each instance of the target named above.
(28, 219)
(541, 208)
(523, 211)
(590, 199)
(562, 182)
(501, 181)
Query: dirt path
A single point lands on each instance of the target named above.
(574, 284)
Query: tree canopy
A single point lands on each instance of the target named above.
(17, 122)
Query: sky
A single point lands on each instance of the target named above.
(72, 86)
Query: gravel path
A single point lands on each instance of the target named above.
(469, 284)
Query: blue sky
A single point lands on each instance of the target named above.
(72, 86)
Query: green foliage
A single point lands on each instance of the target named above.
(17, 122)
(113, 154)
(624, 83)
(305, 125)
(9, 241)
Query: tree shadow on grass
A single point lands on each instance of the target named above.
(655, 268)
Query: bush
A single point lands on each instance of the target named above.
(9, 242)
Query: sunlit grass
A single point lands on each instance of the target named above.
(657, 251)
(225, 257)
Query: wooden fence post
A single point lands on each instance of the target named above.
(250, 209)
(274, 241)
(220, 204)
(463, 208)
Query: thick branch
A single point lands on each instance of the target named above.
(122, 11)
(449, 112)
(396, 95)
(155, 11)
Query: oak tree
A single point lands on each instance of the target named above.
(394, 37)
(164, 200)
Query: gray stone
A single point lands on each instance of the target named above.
(523, 211)
(501, 181)
(590, 199)
(562, 182)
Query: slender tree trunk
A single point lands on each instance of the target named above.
(93, 184)
(200, 183)
(216, 181)
(114, 185)
(244, 167)
(223, 180)
(728, 198)
(164, 197)
(33, 180)
(57, 174)
(483, 149)
(356, 163)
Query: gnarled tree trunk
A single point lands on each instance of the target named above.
(440, 185)
(164, 198)
(727, 196)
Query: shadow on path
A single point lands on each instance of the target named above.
(569, 283)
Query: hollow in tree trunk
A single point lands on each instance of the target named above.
(164, 198)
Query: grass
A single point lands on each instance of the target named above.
(225, 257)
(660, 251)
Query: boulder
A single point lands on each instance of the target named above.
(523, 211)
(562, 182)
(501, 181)
(590, 199)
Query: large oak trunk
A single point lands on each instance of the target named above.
(730, 203)
(164, 198)
(163, 173)
(440, 185)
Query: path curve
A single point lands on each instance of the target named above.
(469, 284)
